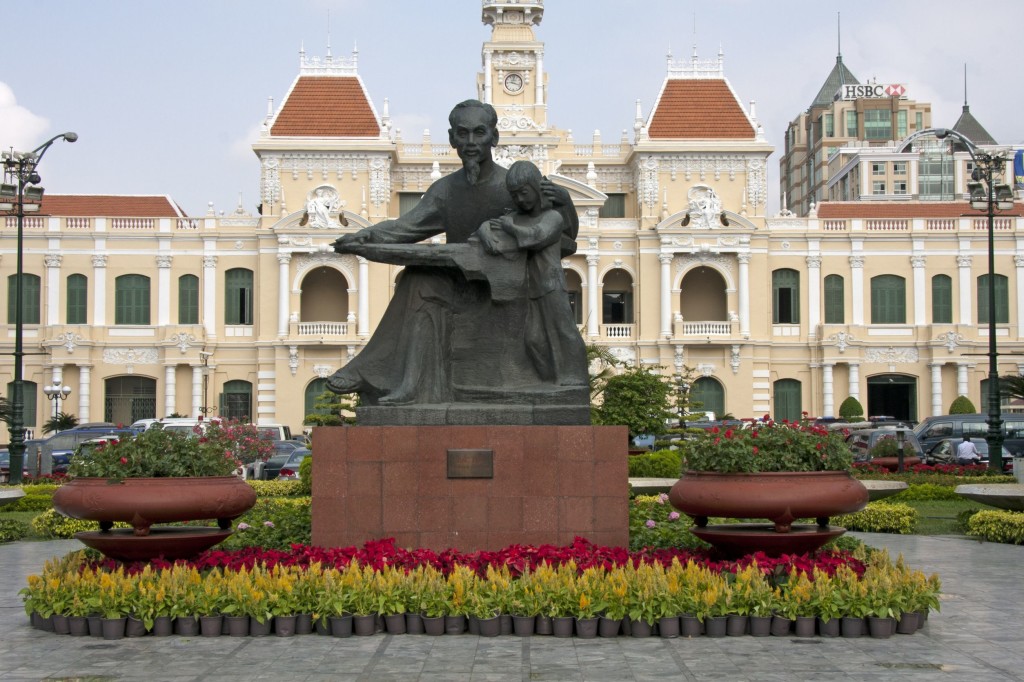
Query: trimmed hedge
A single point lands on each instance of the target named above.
(881, 517)
(919, 492)
(50, 524)
(997, 526)
(658, 464)
(277, 488)
(12, 530)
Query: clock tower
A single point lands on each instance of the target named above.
(513, 78)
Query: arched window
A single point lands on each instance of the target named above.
(575, 291)
(131, 299)
(942, 299)
(710, 394)
(188, 299)
(888, 300)
(238, 293)
(313, 391)
(1002, 300)
(236, 400)
(78, 299)
(786, 400)
(617, 298)
(835, 309)
(785, 296)
(29, 298)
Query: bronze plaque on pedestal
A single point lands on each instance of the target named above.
(469, 463)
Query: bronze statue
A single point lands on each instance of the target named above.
(459, 328)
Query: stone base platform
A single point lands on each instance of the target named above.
(470, 487)
(474, 414)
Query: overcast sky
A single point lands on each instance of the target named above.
(167, 97)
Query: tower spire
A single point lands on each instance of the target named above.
(839, 36)
(965, 86)
(328, 32)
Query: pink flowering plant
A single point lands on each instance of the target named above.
(768, 446)
(215, 449)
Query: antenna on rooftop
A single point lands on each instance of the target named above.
(965, 84)
(328, 32)
(839, 35)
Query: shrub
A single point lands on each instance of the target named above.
(658, 464)
(962, 405)
(654, 523)
(12, 530)
(31, 502)
(963, 519)
(851, 409)
(997, 526)
(50, 524)
(274, 523)
(276, 488)
(880, 517)
(306, 475)
(919, 492)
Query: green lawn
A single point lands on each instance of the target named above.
(939, 517)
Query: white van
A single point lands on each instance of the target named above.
(274, 431)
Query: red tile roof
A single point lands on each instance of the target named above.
(698, 108)
(326, 106)
(109, 205)
(905, 209)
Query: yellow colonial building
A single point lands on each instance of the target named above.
(144, 311)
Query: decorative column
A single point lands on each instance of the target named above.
(539, 73)
(918, 264)
(857, 288)
(52, 263)
(197, 390)
(209, 298)
(964, 265)
(163, 290)
(855, 381)
(170, 390)
(363, 314)
(593, 309)
(814, 298)
(744, 293)
(828, 402)
(666, 294)
(961, 379)
(283, 259)
(936, 368)
(488, 77)
(1018, 262)
(99, 287)
(84, 374)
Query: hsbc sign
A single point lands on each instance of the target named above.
(870, 91)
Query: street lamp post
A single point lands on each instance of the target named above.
(987, 196)
(20, 190)
(56, 393)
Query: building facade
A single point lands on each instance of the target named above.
(144, 311)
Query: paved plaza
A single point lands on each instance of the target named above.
(977, 637)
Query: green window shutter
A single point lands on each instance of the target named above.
(888, 300)
(29, 298)
(188, 299)
(835, 312)
(785, 296)
(786, 400)
(709, 394)
(131, 299)
(614, 207)
(78, 299)
(238, 296)
(942, 299)
(237, 400)
(1002, 299)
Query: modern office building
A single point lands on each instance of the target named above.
(144, 311)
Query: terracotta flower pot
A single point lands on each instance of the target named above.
(141, 502)
(781, 497)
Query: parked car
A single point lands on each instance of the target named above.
(274, 431)
(5, 466)
(290, 471)
(862, 441)
(933, 429)
(944, 452)
(61, 446)
(278, 463)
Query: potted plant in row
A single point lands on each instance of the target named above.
(780, 471)
(159, 477)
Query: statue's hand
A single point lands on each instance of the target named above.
(558, 196)
(347, 243)
(506, 224)
(486, 235)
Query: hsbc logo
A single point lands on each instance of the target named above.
(870, 91)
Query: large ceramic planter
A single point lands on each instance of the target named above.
(780, 497)
(142, 502)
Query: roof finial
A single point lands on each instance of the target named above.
(839, 36)
(965, 86)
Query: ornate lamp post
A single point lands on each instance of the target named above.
(988, 196)
(56, 393)
(20, 191)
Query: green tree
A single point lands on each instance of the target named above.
(962, 405)
(62, 422)
(638, 399)
(851, 409)
(332, 409)
(1011, 387)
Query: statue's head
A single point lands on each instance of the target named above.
(473, 131)
(523, 183)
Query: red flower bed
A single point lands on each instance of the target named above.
(518, 558)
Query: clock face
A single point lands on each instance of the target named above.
(513, 82)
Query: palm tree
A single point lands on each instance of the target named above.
(62, 422)
(1011, 387)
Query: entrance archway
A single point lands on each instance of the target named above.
(127, 399)
(893, 395)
